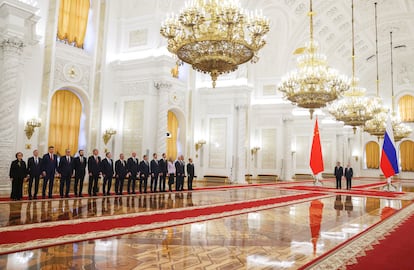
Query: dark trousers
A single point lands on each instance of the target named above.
(162, 182)
(93, 184)
(131, 183)
(107, 183)
(348, 182)
(119, 184)
(170, 181)
(78, 184)
(190, 182)
(64, 180)
(154, 181)
(17, 189)
(48, 179)
(36, 188)
(339, 182)
(143, 182)
(179, 184)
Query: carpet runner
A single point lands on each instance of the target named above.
(355, 192)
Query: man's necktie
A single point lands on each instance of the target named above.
(51, 156)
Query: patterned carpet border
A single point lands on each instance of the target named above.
(70, 238)
(347, 253)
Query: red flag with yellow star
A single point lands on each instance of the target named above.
(316, 159)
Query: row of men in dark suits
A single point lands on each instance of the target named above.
(48, 167)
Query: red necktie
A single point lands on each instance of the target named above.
(51, 156)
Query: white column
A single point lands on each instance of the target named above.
(287, 153)
(162, 88)
(10, 88)
(239, 169)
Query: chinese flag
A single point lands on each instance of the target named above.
(316, 160)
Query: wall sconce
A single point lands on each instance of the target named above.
(30, 127)
(108, 134)
(356, 158)
(255, 149)
(199, 144)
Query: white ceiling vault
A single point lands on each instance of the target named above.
(332, 29)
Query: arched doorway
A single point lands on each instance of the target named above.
(177, 138)
(407, 156)
(372, 155)
(65, 120)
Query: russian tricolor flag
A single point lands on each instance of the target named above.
(389, 161)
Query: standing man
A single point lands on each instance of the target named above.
(348, 175)
(190, 174)
(80, 166)
(121, 171)
(34, 166)
(65, 170)
(155, 171)
(49, 166)
(144, 172)
(133, 168)
(107, 169)
(338, 172)
(180, 173)
(94, 169)
(163, 164)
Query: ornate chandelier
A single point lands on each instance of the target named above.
(354, 109)
(215, 36)
(313, 84)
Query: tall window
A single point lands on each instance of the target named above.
(406, 108)
(73, 20)
(407, 156)
(372, 155)
(65, 113)
(172, 140)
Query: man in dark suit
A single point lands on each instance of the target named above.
(155, 170)
(80, 166)
(163, 164)
(49, 166)
(121, 172)
(180, 173)
(348, 175)
(144, 171)
(107, 168)
(190, 174)
(65, 170)
(338, 172)
(34, 167)
(94, 169)
(133, 168)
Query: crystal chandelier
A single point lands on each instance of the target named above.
(215, 36)
(313, 84)
(354, 109)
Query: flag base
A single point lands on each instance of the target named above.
(317, 181)
(389, 186)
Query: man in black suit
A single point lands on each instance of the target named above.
(94, 169)
(163, 164)
(155, 170)
(121, 172)
(338, 172)
(80, 166)
(65, 170)
(348, 175)
(180, 173)
(190, 174)
(49, 166)
(107, 168)
(34, 166)
(133, 168)
(144, 172)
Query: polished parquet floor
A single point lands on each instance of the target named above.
(286, 236)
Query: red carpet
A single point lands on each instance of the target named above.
(360, 192)
(15, 237)
(394, 252)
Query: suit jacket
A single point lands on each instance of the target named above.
(121, 168)
(65, 167)
(79, 166)
(18, 171)
(94, 167)
(154, 167)
(107, 168)
(339, 172)
(349, 173)
(34, 169)
(133, 167)
(144, 168)
(190, 169)
(163, 166)
(49, 166)
(179, 167)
